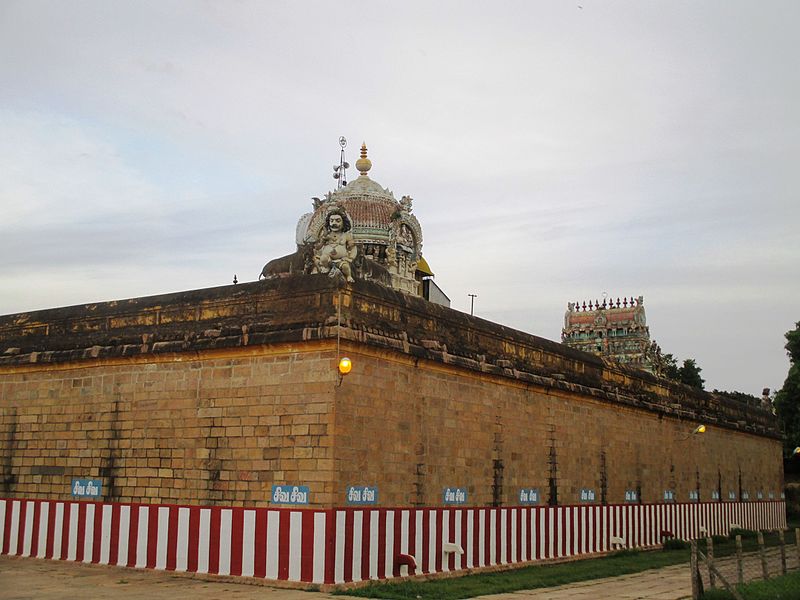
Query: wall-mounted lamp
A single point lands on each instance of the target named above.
(695, 431)
(795, 452)
(345, 364)
(344, 367)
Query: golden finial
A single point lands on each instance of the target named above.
(363, 164)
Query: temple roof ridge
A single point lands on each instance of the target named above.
(606, 304)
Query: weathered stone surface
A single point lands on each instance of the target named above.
(210, 396)
(303, 308)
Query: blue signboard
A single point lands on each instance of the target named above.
(362, 494)
(529, 496)
(290, 494)
(87, 488)
(454, 495)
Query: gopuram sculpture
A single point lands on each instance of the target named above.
(359, 231)
(617, 331)
(336, 248)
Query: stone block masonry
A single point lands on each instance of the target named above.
(211, 397)
(414, 428)
(221, 428)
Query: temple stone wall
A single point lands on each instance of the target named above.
(225, 426)
(212, 396)
(425, 427)
(217, 428)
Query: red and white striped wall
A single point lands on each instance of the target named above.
(351, 544)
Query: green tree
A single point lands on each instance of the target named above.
(689, 373)
(787, 400)
(670, 367)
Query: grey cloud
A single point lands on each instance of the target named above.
(553, 153)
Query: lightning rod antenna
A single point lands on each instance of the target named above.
(340, 170)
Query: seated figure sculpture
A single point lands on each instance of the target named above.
(336, 248)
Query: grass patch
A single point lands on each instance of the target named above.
(549, 575)
(526, 578)
(749, 542)
(786, 587)
(675, 544)
(747, 534)
(720, 539)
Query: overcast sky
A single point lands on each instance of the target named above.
(554, 150)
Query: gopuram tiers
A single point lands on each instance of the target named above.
(615, 330)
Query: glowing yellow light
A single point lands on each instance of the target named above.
(345, 365)
(700, 429)
(796, 451)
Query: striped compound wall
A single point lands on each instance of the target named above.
(351, 544)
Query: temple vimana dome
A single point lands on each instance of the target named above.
(361, 231)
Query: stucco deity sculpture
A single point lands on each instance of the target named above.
(570, 309)
(405, 237)
(361, 232)
(336, 248)
(391, 256)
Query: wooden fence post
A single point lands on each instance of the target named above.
(739, 560)
(712, 580)
(763, 555)
(783, 551)
(732, 589)
(694, 571)
(797, 544)
(697, 582)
